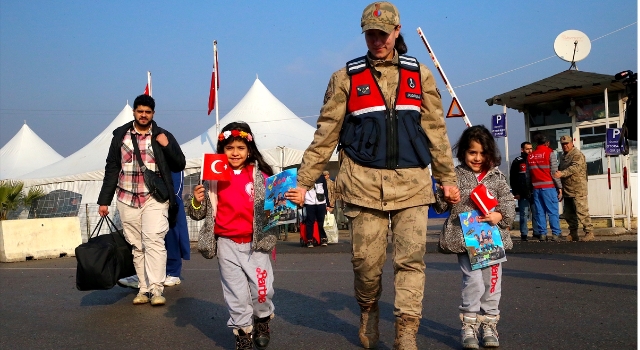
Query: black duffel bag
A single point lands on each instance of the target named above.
(104, 259)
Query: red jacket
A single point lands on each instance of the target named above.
(543, 164)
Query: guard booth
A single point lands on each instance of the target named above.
(583, 105)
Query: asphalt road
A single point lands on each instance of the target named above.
(555, 296)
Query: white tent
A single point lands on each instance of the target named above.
(83, 171)
(25, 152)
(280, 135)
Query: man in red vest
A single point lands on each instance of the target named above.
(547, 190)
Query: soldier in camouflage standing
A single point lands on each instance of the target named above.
(392, 129)
(572, 171)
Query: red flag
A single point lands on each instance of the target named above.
(216, 167)
(215, 83)
(484, 199)
(146, 90)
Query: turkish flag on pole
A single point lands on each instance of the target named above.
(146, 90)
(215, 81)
(215, 167)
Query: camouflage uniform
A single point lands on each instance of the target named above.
(375, 196)
(573, 168)
(331, 186)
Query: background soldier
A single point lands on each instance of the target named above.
(573, 174)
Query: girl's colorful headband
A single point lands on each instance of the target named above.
(235, 133)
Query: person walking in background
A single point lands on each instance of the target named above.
(233, 210)
(384, 113)
(479, 159)
(572, 171)
(176, 242)
(331, 186)
(145, 219)
(547, 190)
(315, 207)
(520, 179)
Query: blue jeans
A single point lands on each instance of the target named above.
(545, 203)
(524, 205)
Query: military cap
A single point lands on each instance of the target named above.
(565, 139)
(380, 15)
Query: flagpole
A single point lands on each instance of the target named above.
(506, 139)
(149, 81)
(444, 77)
(215, 84)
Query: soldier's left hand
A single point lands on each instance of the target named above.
(162, 140)
(557, 174)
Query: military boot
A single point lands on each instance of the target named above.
(469, 332)
(368, 333)
(406, 330)
(489, 325)
(573, 236)
(588, 237)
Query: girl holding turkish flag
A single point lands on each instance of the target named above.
(479, 158)
(233, 213)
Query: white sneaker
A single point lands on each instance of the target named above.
(131, 282)
(171, 281)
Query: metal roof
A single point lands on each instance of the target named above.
(570, 83)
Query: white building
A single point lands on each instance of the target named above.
(583, 105)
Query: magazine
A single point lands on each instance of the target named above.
(483, 241)
(279, 210)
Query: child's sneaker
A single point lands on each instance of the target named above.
(490, 330)
(469, 332)
(243, 338)
(323, 242)
(261, 331)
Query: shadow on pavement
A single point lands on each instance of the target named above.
(209, 318)
(107, 297)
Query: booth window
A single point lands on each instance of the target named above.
(548, 113)
(592, 141)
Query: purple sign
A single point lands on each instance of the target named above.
(499, 125)
(612, 146)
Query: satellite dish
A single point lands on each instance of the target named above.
(572, 46)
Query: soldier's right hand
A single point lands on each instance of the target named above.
(103, 210)
(198, 195)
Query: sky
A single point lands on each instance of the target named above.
(68, 68)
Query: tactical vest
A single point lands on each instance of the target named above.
(376, 136)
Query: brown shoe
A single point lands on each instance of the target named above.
(588, 237)
(573, 236)
(406, 330)
(368, 333)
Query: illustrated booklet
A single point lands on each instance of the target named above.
(482, 241)
(277, 208)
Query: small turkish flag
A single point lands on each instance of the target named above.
(484, 199)
(215, 167)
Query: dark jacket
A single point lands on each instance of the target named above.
(168, 159)
(520, 177)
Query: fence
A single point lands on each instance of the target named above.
(62, 203)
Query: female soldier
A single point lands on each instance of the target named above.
(392, 129)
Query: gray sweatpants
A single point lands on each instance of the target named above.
(247, 282)
(481, 288)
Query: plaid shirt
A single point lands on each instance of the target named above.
(131, 188)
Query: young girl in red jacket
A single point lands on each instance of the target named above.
(232, 209)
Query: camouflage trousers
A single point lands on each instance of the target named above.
(369, 229)
(576, 210)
